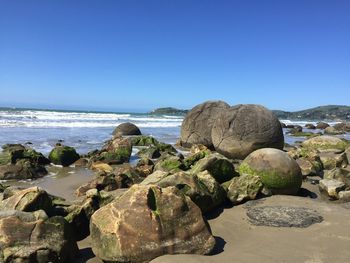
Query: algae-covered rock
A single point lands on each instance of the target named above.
(325, 142)
(332, 131)
(63, 155)
(277, 170)
(143, 140)
(151, 152)
(147, 222)
(243, 188)
(202, 188)
(170, 164)
(217, 165)
(25, 237)
(190, 160)
(19, 162)
(22, 170)
(28, 200)
(332, 160)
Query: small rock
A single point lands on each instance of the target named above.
(331, 187)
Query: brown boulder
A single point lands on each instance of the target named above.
(242, 129)
(127, 128)
(197, 125)
(147, 222)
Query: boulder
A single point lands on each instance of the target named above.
(63, 155)
(310, 126)
(127, 129)
(12, 153)
(331, 160)
(240, 130)
(296, 129)
(333, 131)
(342, 126)
(26, 237)
(244, 188)
(325, 142)
(154, 177)
(322, 125)
(193, 158)
(331, 187)
(151, 152)
(20, 162)
(22, 170)
(309, 167)
(217, 165)
(144, 167)
(340, 174)
(170, 164)
(196, 128)
(202, 188)
(28, 200)
(115, 151)
(141, 225)
(277, 170)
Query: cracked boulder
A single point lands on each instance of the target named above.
(242, 129)
(32, 237)
(197, 125)
(147, 222)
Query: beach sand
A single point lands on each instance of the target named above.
(240, 241)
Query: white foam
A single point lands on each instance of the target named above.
(54, 119)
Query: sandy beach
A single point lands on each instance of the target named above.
(240, 241)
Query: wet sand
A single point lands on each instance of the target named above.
(61, 181)
(240, 241)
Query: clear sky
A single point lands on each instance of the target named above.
(138, 55)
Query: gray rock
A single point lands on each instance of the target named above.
(240, 130)
(127, 128)
(197, 125)
(331, 187)
(344, 196)
(282, 216)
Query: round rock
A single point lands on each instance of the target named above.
(240, 130)
(281, 216)
(278, 172)
(197, 125)
(127, 128)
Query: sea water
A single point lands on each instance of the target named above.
(87, 131)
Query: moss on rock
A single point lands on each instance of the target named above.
(63, 155)
(276, 169)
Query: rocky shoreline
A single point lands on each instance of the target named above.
(230, 155)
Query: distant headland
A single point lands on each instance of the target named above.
(327, 112)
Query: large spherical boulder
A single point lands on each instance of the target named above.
(278, 172)
(197, 125)
(127, 128)
(240, 130)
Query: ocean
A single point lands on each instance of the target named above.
(87, 131)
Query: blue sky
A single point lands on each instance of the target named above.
(138, 55)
